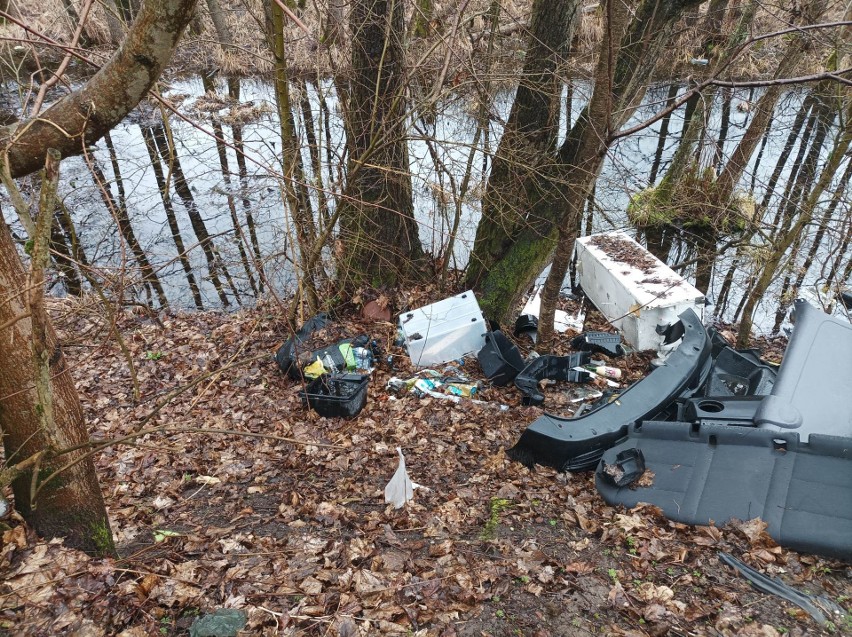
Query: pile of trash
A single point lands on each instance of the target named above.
(711, 433)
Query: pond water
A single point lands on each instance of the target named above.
(219, 197)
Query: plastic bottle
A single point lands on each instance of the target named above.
(363, 358)
(605, 371)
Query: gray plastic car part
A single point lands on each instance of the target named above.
(599, 342)
(713, 473)
(727, 410)
(575, 444)
(817, 606)
(739, 373)
(814, 384)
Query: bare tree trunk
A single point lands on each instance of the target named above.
(295, 189)
(314, 150)
(220, 24)
(513, 251)
(222, 152)
(122, 217)
(735, 166)
(663, 135)
(237, 134)
(168, 153)
(803, 185)
(783, 242)
(64, 259)
(759, 159)
(521, 169)
(589, 153)
(70, 505)
(824, 225)
(723, 130)
(41, 416)
(379, 237)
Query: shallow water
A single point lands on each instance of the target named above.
(626, 171)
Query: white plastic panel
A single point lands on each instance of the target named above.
(444, 331)
(632, 288)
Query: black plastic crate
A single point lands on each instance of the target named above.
(336, 395)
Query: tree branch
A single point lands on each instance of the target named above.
(90, 112)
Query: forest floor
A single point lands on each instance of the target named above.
(285, 519)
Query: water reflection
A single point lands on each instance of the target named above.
(162, 198)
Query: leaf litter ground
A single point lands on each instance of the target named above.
(284, 518)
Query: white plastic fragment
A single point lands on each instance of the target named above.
(636, 292)
(562, 321)
(400, 489)
(444, 331)
(609, 382)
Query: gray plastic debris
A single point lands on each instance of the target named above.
(813, 604)
(223, 622)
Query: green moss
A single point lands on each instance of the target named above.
(496, 507)
(691, 203)
(102, 537)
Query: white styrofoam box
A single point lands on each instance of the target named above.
(444, 331)
(632, 288)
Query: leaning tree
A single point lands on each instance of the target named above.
(40, 413)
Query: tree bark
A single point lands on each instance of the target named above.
(87, 114)
(521, 168)
(40, 412)
(379, 238)
(509, 253)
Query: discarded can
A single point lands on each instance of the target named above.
(605, 370)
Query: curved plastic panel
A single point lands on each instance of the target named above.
(576, 444)
(713, 473)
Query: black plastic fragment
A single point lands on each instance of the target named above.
(500, 359)
(286, 354)
(576, 444)
(599, 343)
(292, 355)
(846, 299)
(727, 410)
(527, 325)
(553, 368)
(815, 605)
(739, 373)
(628, 467)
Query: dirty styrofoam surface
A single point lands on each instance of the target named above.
(562, 322)
(632, 288)
(444, 331)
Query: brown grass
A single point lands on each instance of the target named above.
(249, 55)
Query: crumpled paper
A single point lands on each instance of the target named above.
(400, 489)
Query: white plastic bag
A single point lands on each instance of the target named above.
(400, 489)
